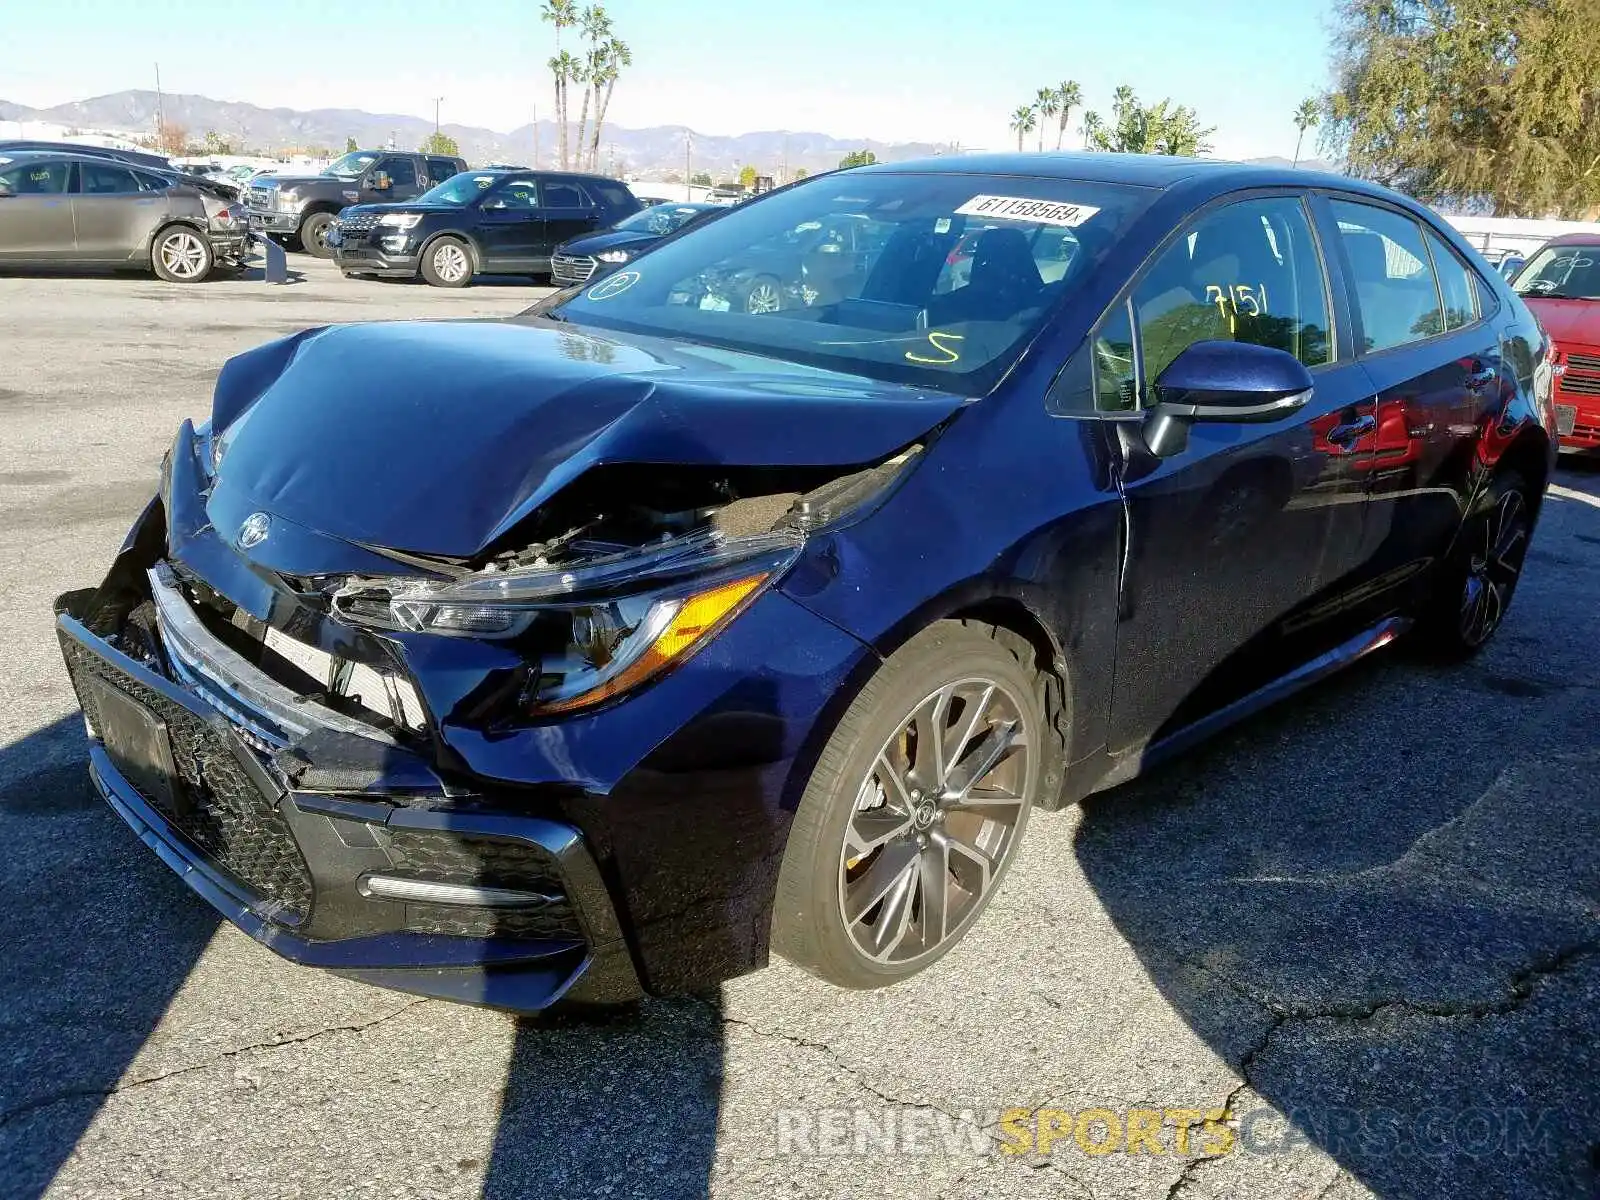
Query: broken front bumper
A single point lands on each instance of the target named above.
(453, 899)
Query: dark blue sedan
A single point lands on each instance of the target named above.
(608, 649)
(595, 254)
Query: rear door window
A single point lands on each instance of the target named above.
(1396, 292)
(106, 179)
(564, 193)
(1455, 284)
(440, 169)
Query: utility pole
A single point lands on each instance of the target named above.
(437, 100)
(688, 174)
(161, 117)
(535, 137)
(783, 175)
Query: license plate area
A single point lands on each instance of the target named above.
(138, 743)
(1566, 418)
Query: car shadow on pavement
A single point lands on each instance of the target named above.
(623, 1104)
(1399, 954)
(98, 938)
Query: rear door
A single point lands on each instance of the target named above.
(569, 212)
(510, 226)
(1239, 547)
(1434, 362)
(36, 222)
(114, 212)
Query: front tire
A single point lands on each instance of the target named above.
(915, 809)
(1476, 583)
(313, 234)
(181, 254)
(447, 263)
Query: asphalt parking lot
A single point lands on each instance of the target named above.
(1366, 924)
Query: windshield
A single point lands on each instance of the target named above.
(662, 219)
(458, 189)
(936, 279)
(1562, 273)
(352, 164)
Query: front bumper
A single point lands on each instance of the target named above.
(273, 221)
(299, 870)
(362, 258)
(1578, 413)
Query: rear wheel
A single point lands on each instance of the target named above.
(314, 234)
(915, 809)
(447, 263)
(181, 254)
(1476, 583)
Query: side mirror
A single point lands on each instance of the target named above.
(1223, 382)
(381, 181)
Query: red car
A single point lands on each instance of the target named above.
(1561, 284)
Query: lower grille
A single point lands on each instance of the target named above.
(1580, 385)
(482, 862)
(572, 268)
(1586, 362)
(220, 810)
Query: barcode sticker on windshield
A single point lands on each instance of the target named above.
(1020, 208)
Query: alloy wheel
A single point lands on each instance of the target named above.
(763, 298)
(183, 254)
(935, 820)
(1493, 569)
(450, 262)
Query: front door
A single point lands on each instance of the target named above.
(1234, 544)
(510, 227)
(1434, 362)
(114, 215)
(36, 211)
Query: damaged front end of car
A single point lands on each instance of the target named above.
(558, 768)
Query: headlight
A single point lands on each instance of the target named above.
(613, 256)
(594, 631)
(286, 202)
(399, 220)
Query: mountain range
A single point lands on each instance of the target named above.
(652, 152)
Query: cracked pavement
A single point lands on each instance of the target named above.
(1367, 923)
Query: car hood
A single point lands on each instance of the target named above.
(293, 181)
(611, 239)
(1569, 322)
(405, 206)
(438, 437)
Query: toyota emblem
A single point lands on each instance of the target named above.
(254, 530)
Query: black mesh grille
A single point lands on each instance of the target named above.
(226, 816)
(482, 862)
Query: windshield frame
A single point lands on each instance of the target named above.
(371, 157)
(1126, 203)
(496, 178)
(1541, 258)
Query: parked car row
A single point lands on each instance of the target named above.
(1561, 284)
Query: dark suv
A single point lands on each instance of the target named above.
(300, 209)
(493, 221)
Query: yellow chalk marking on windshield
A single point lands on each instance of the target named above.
(951, 354)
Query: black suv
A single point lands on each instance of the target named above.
(300, 209)
(497, 221)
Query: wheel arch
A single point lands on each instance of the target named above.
(166, 223)
(474, 252)
(1530, 456)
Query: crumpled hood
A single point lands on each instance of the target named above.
(1569, 322)
(438, 437)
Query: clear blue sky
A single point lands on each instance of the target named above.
(932, 70)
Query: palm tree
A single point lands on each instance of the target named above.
(1307, 116)
(1046, 104)
(1091, 127)
(1068, 96)
(1023, 121)
(617, 55)
(563, 14)
(597, 28)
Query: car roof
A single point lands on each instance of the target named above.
(1140, 170)
(1578, 237)
(98, 160)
